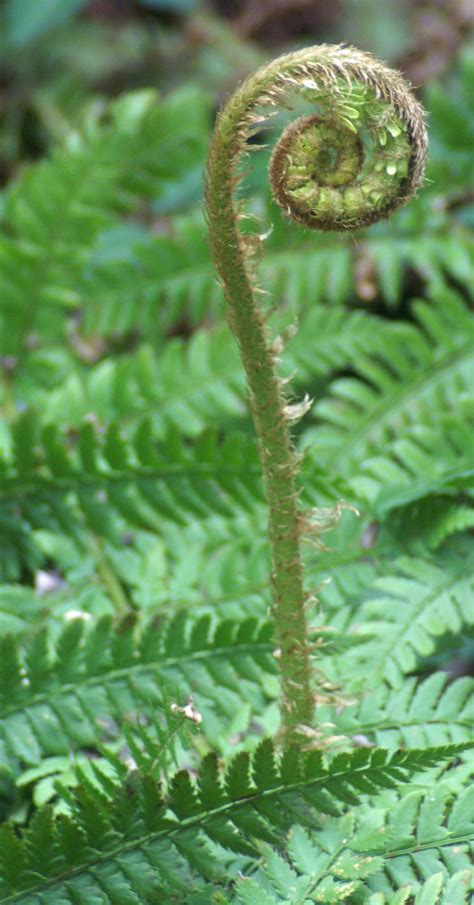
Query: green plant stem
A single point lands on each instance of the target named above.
(109, 579)
(277, 455)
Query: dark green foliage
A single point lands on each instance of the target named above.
(420, 845)
(105, 484)
(125, 838)
(71, 694)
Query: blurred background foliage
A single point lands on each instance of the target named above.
(61, 58)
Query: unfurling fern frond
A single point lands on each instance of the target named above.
(69, 693)
(126, 840)
(133, 511)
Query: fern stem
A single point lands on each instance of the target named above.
(278, 460)
(109, 579)
(345, 193)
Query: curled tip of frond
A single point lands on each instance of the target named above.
(361, 155)
(357, 157)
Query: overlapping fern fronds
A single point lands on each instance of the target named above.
(417, 851)
(421, 372)
(431, 711)
(405, 613)
(54, 214)
(194, 382)
(57, 696)
(188, 387)
(126, 839)
(102, 483)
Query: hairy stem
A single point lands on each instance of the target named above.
(348, 84)
(267, 404)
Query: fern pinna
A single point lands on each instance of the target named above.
(256, 750)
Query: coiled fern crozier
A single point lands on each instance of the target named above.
(352, 161)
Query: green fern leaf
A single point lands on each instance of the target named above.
(110, 486)
(411, 609)
(59, 207)
(55, 697)
(429, 712)
(419, 372)
(122, 838)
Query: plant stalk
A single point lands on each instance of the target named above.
(276, 452)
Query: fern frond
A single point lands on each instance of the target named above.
(433, 711)
(429, 241)
(419, 851)
(422, 487)
(427, 237)
(422, 246)
(193, 382)
(176, 269)
(55, 694)
(20, 608)
(408, 611)
(426, 462)
(120, 295)
(326, 871)
(126, 840)
(187, 387)
(159, 281)
(436, 891)
(55, 212)
(108, 485)
(421, 373)
(330, 339)
(425, 835)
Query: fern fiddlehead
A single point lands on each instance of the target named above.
(357, 157)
